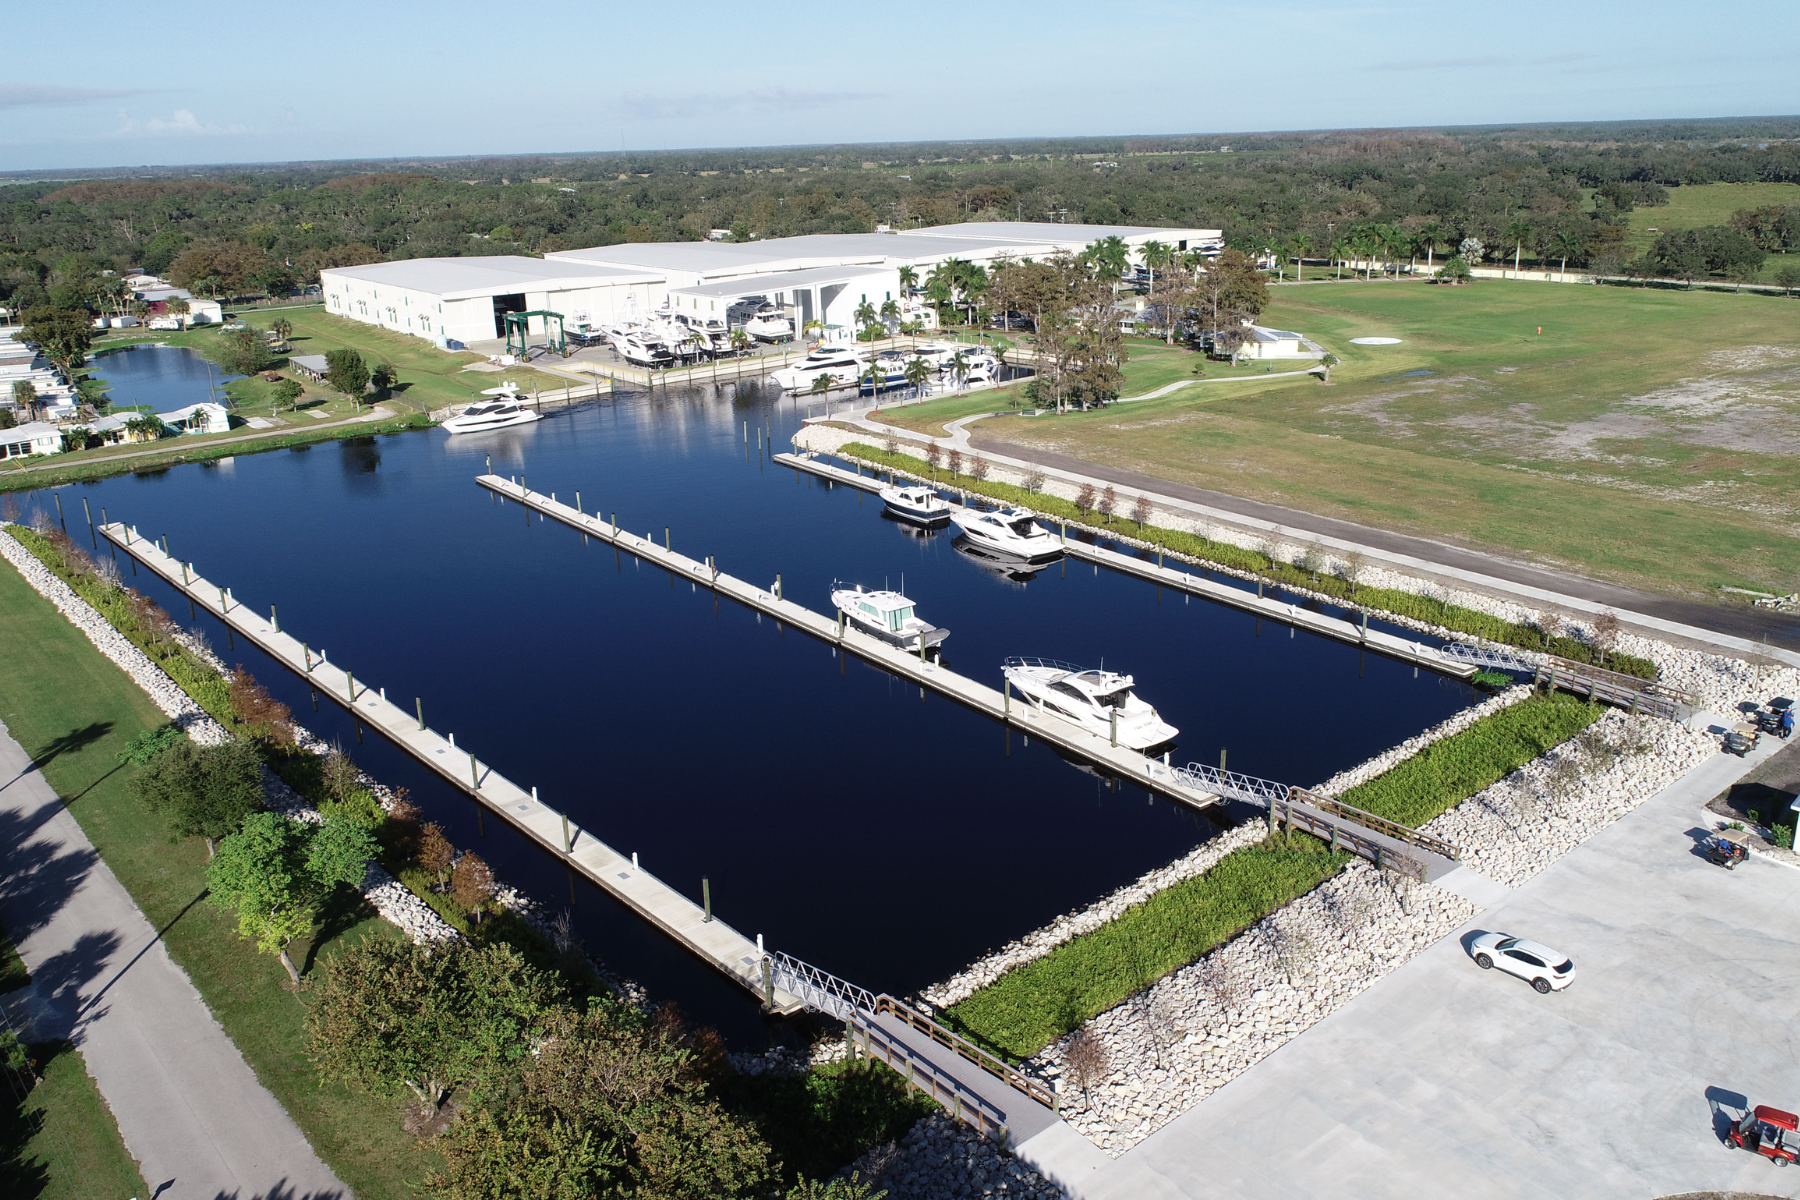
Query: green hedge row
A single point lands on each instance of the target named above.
(1446, 773)
(1388, 600)
(1028, 1008)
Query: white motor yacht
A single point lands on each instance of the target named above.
(917, 503)
(889, 616)
(637, 349)
(503, 410)
(978, 366)
(1101, 702)
(842, 364)
(1010, 531)
(769, 324)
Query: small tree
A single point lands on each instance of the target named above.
(1295, 951)
(1085, 1061)
(979, 467)
(1352, 569)
(1034, 480)
(472, 883)
(435, 851)
(288, 393)
(934, 454)
(346, 372)
(1455, 270)
(954, 461)
(1109, 500)
(25, 396)
(256, 708)
(384, 377)
(179, 309)
(201, 791)
(276, 871)
(428, 1018)
(1606, 633)
(1141, 512)
(1222, 982)
(1084, 499)
(241, 351)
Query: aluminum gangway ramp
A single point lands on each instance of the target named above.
(999, 1101)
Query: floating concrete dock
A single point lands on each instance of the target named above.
(1268, 608)
(712, 939)
(1066, 735)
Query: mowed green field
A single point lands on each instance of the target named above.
(1711, 204)
(1649, 436)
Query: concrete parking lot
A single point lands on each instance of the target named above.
(1446, 1080)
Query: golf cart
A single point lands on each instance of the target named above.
(1768, 1132)
(1727, 848)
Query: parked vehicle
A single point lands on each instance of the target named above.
(1727, 848)
(1770, 1132)
(1739, 741)
(1779, 722)
(1545, 969)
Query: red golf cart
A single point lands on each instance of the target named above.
(1770, 1133)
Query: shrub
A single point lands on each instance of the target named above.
(1784, 836)
(1031, 1006)
(1448, 772)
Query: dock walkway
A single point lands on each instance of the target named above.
(1126, 763)
(1287, 613)
(713, 940)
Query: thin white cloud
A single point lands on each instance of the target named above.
(182, 124)
(757, 100)
(27, 95)
(1487, 60)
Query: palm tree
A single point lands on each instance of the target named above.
(1339, 249)
(1430, 236)
(909, 280)
(875, 377)
(917, 372)
(814, 325)
(179, 309)
(890, 313)
(1516, 233)
(740, 341)
(1569, 245)
(1109, 252)
(1301, 245)
(822, 383)
(959, 368)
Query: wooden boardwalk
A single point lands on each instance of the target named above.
(1266, 607)
(1066, 735)
(714, 941)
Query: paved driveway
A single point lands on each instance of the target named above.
(1446, 1080)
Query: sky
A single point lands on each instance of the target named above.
(331, 79)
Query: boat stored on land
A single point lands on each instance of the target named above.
(918, 503)
(1100, 701)
(887, 615)
(504, 410)
(1009, 531)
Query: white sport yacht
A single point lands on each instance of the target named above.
(503, 410)
(769, 324)
(1010, 531)
(917, 503)
(842, 364)
(978, 366)
(889, 616)
(640, 350)
(1101, 702)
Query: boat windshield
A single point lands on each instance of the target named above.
(1023, 527)
(898, 617)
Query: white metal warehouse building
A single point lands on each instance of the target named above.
(825, 277)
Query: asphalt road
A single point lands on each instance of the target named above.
(1781, 629)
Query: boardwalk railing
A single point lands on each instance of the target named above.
(1346, 837)
(963, 1101)
(993, 1066)
(1393, 829)
(1583, 679)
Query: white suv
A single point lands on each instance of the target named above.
(1546, 969)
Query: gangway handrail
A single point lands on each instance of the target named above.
(1393, 829)
(820, 990)
(1009, 1074)
(1229, 783)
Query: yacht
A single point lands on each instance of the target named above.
(1010, 531)
(769, 324)
(916, 502)
(1101, 702)
(888, 616)
(978, 367)
(889, 368)
(503, 410)
(842, 364)
(642, 350)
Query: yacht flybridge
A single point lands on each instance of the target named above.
(1101, 702)
(1010, 531)
(889, 616)
(918, 503)
(504, 410)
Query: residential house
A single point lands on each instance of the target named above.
(38, 437)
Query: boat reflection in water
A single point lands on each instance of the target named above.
(1006, 566)
(911, 528)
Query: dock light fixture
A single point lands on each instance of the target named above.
(634, 863)
(706, 899)
(275, 624)
(474, 772)
(420, 702)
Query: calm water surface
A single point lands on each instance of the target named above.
(888, 837)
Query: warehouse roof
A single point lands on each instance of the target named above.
(776, 281)
(1047, 231)
(489, 275)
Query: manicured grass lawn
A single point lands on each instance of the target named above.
(60, 1142)
(60, 692)
(1607, 444)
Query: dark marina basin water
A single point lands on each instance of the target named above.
(888, 837)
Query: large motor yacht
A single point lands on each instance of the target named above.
(843, 365)
(889, 616)
(769, 324)
(1010, 531)
(1101, 702)
(503, 410)
(917, 502)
